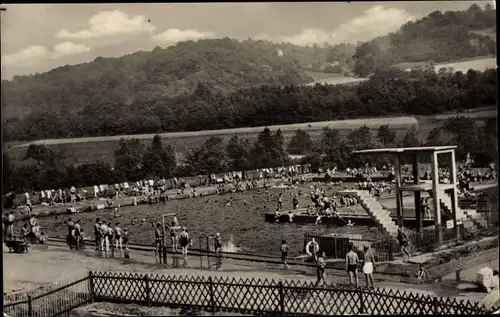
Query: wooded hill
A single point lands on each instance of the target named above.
(224, 83)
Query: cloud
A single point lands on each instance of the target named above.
(67, 49)
(172, 36)
(36, 54)
(374, 22)
(109, 23)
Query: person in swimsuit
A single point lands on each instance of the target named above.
(158, 238)
(351, 263)
(118, 237)
(295, 202)
(184, 242)
(284, 253)
(368, 266)
(218, 250)
(320, 270)
(97, 233)
(77, 234)
(173, 236)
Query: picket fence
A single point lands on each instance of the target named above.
(247, 296)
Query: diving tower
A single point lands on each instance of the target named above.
(445, 195)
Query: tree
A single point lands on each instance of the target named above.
(301, 143)
(128, 159)
(386, 136)
(237, 151)
(410, 138)
(8, 173)
(159, 161)
(268, 150)
(334, 148)
(210, 158)
(437, 137)
(361, 138)
(41, 154)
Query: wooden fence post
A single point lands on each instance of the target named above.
(212, 293)
(30, 307)
(361, 302)
(148, 290)
(92, 286)
(436, 306)
(282, 297)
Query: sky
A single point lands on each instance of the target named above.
(37, 38)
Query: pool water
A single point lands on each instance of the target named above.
(240, 222)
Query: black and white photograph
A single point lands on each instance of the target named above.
(249, 158)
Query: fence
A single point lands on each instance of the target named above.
(55, 300)
(261, 296)
(384, 248)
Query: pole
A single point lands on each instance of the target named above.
(398, 191)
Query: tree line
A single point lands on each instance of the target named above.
(419, 92)
(134, 161)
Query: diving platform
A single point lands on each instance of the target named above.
(444, 196)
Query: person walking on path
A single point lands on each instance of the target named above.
(351, 263)
(284, 253)
(320, 270)
(369, 266)
(403, 242)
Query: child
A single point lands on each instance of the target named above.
(422, 273)
(284, 253)
(42, 238)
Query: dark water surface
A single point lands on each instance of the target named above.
(241, 224)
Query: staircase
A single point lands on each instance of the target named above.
(374, 209)
(446, 203)
(473, 221)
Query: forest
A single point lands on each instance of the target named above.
(210, 83)
(134, 161)
(422, 92)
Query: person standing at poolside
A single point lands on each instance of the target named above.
(118, 237)
(103, 233)
(77, 234)
(158, 241)
(351, 263)
(368, 266)
(284, 253)
(97, 234)
(111, 234)
(320, 269)
(184, 241)
(126, 237)
(218, 250)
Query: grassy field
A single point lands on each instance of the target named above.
(478, 63)
(85, 150)
(332, 79)
(89, 150)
